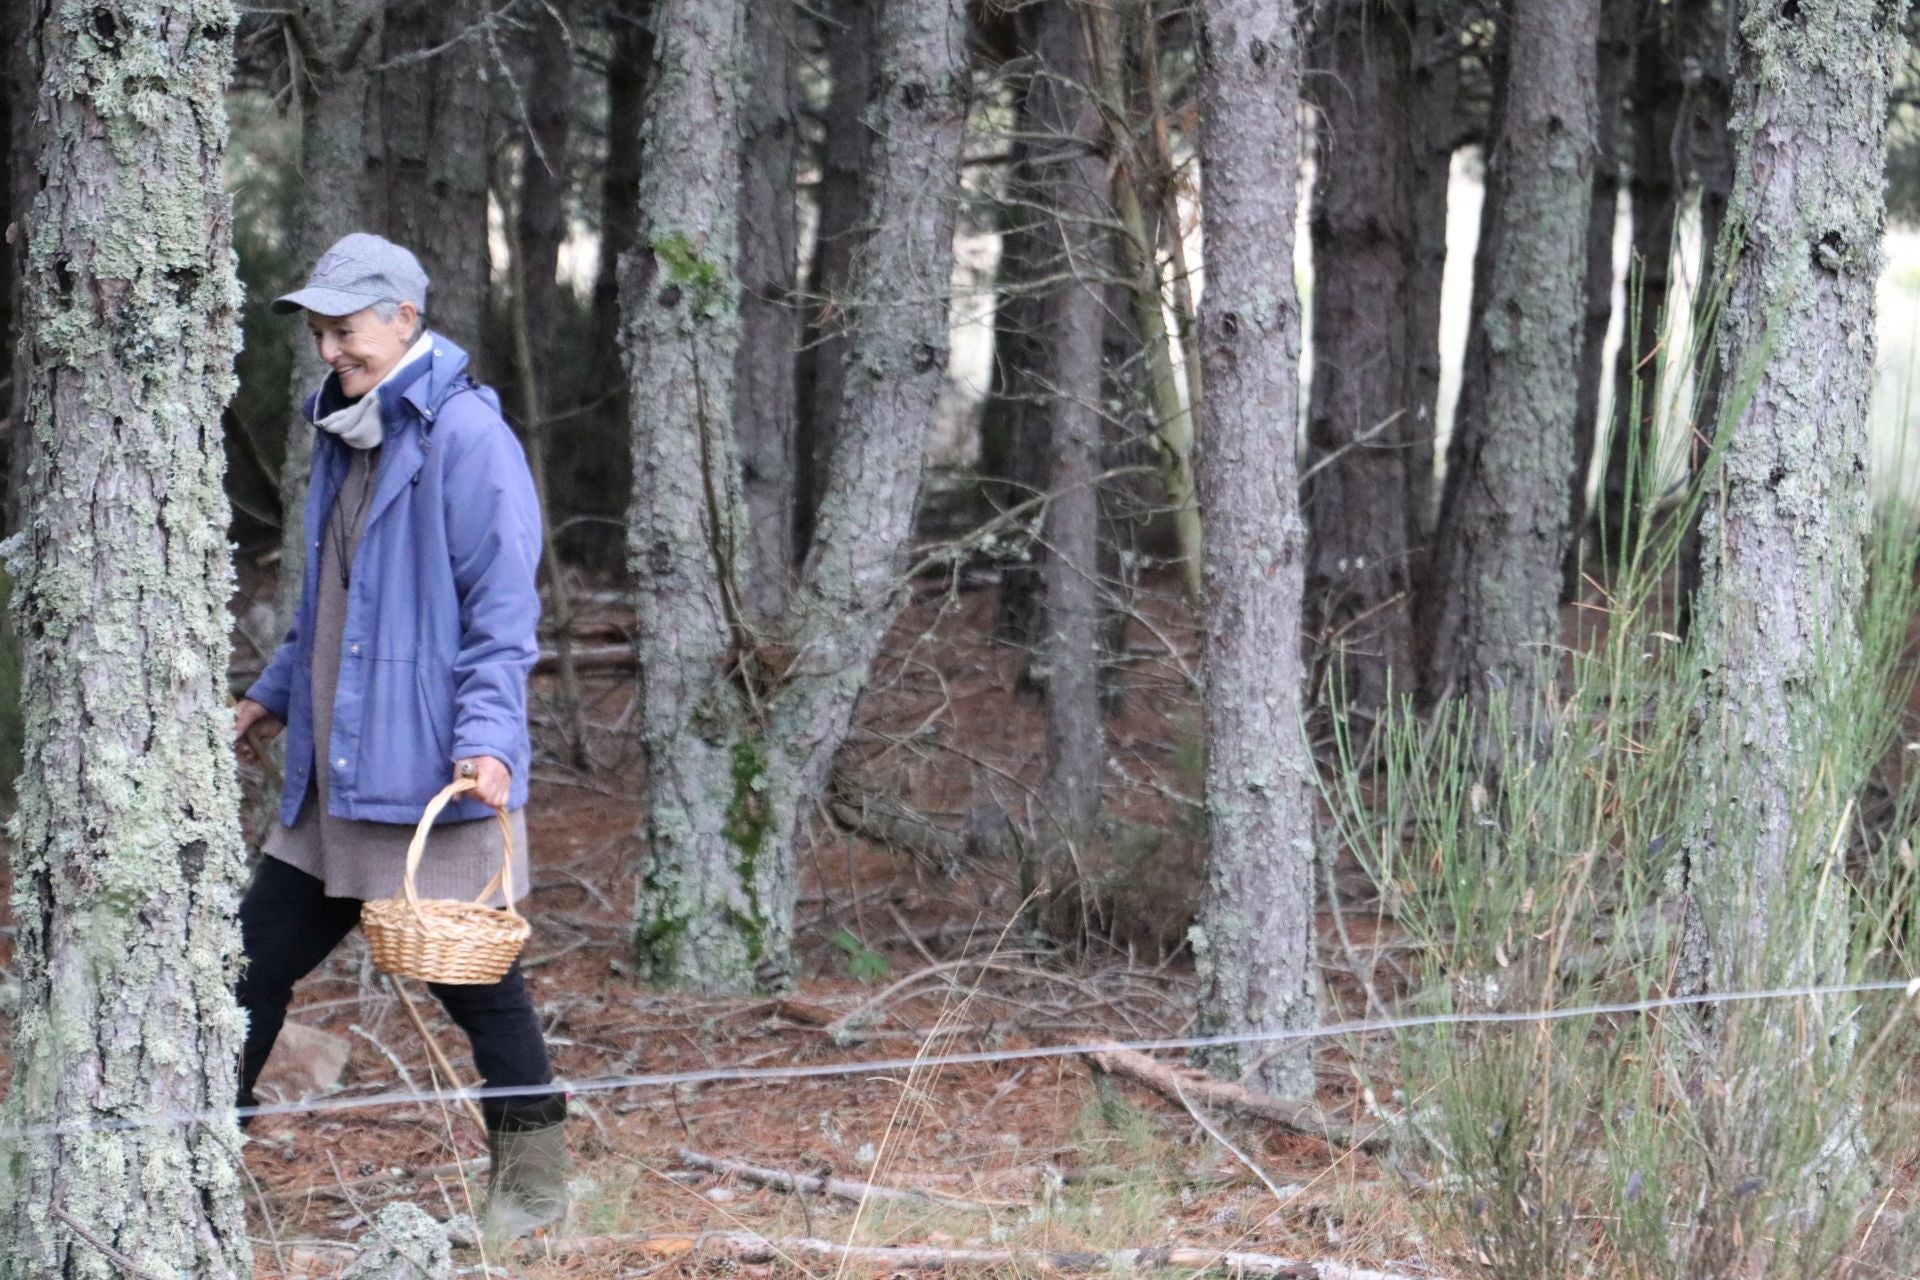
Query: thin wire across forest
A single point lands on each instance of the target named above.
(924, 1062)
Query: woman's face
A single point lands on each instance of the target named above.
(362, 348)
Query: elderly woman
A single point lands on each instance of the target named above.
(406, 666)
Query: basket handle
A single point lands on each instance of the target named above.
(502, 879)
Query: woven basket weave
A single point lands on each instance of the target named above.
(444, 939)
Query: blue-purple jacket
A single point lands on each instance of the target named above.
(441, 611)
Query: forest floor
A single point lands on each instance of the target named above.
(902, 954)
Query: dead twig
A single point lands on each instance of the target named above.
(435, 1053)
(1301, 1117)
(752, 1249)
(850, 1189)
(106, 1250)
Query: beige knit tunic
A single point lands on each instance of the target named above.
(367, 859)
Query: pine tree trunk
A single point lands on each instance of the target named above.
(707, 908)
(1070, 180)
(1428, 156)
(1787, 511)
(534, 260)
(1252, 942)
(543, 181)
(1359, 613)
(1014, 429)
(844, 160)
(126, 854)
(335, 45)
(741, 725)
(426, 175)
(19, 77)
(769, 320)
(628, 67)
(1493, 598)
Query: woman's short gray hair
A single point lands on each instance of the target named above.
(386, 309)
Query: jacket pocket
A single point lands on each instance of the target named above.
(404, 736)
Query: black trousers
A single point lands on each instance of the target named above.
(288, 925)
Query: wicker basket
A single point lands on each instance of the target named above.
(443, 939)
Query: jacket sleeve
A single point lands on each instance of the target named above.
(493, 537)
(273, 690)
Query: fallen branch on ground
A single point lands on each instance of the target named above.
(841, 1188)
(883, 819)
(751, 1249)
(1171, 1082)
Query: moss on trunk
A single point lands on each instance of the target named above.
(127, 856)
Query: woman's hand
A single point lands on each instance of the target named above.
(493, 781)
(253, 726)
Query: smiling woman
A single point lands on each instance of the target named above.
(406, 665)
(364, 347)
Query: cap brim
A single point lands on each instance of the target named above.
(324, 302)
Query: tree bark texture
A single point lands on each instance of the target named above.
(741, 724)
(1432, 134)
(1070, 181)
(769, 320)
(1252, 942)
(334, 41)
(1787, 511)
(1492, 610)
(844, 158)
(543, 182)
(1014, 442)
(533, 272)
(1359, 428)
(708, 901)
(21, 78)
(126, 855)
(426, 175)
(628, 66)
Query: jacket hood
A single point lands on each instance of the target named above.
(426, 384)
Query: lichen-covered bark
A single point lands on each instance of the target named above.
(334, 48)
(20, 59)
(1252, 942)
(126, 855)
(704, 905)
(741, 719)
(425, 184)
(14, 83)
(1070, 180)
(1359, 610)
(769, 321)
(850, 590)
(1492, 599)
(1787, 512)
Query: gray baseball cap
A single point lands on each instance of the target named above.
(359, 270)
